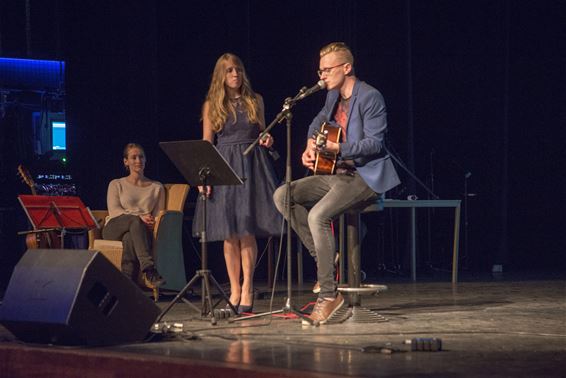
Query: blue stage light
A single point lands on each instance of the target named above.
(31, 74)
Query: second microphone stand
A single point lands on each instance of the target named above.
(288, 116)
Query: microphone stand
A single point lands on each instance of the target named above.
(430, 211)
(467, 174)
(286, 114)
(466, 197)
(409, 172)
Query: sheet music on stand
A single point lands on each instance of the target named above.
(57, 213)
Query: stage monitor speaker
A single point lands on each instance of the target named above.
(74, 297)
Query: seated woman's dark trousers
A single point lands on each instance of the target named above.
(133, 233)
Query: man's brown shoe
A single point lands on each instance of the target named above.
(324, 309)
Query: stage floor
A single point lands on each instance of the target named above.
(487, 328)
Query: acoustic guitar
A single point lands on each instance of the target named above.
(27, 179)
(37, 238)
(325, 163)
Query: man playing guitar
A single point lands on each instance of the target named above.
(363, 169)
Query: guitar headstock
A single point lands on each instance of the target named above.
(26, 178)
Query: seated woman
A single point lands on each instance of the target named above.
(133, 203)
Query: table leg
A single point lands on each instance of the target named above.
(413, 244)
(455, 256)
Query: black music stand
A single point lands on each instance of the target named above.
(200, 163)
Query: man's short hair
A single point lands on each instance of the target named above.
(340, 48)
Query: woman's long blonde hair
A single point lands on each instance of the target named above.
(219, 105)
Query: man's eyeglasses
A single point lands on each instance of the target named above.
(328, 69)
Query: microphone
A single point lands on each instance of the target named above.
(315, 88)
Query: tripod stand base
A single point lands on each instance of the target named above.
(288, 309)
(207, 309)
(356, 314)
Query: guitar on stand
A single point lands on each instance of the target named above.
(325, 163)
(37, 238)
(27, 179)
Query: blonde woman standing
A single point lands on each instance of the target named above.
(232, 117)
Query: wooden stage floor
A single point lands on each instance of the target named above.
(487, 327)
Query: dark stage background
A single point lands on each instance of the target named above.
(475, 93)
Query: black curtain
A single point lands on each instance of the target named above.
(475, 93)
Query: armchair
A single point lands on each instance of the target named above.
(167, 247)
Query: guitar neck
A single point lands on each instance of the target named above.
(26, 177)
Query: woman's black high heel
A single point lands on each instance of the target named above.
(246, 308)
(236, 306)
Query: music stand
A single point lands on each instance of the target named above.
(56, 213)
(200, 163)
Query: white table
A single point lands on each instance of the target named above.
(413, 205)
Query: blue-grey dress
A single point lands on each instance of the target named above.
(248, 209)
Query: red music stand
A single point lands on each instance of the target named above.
(57, 213)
